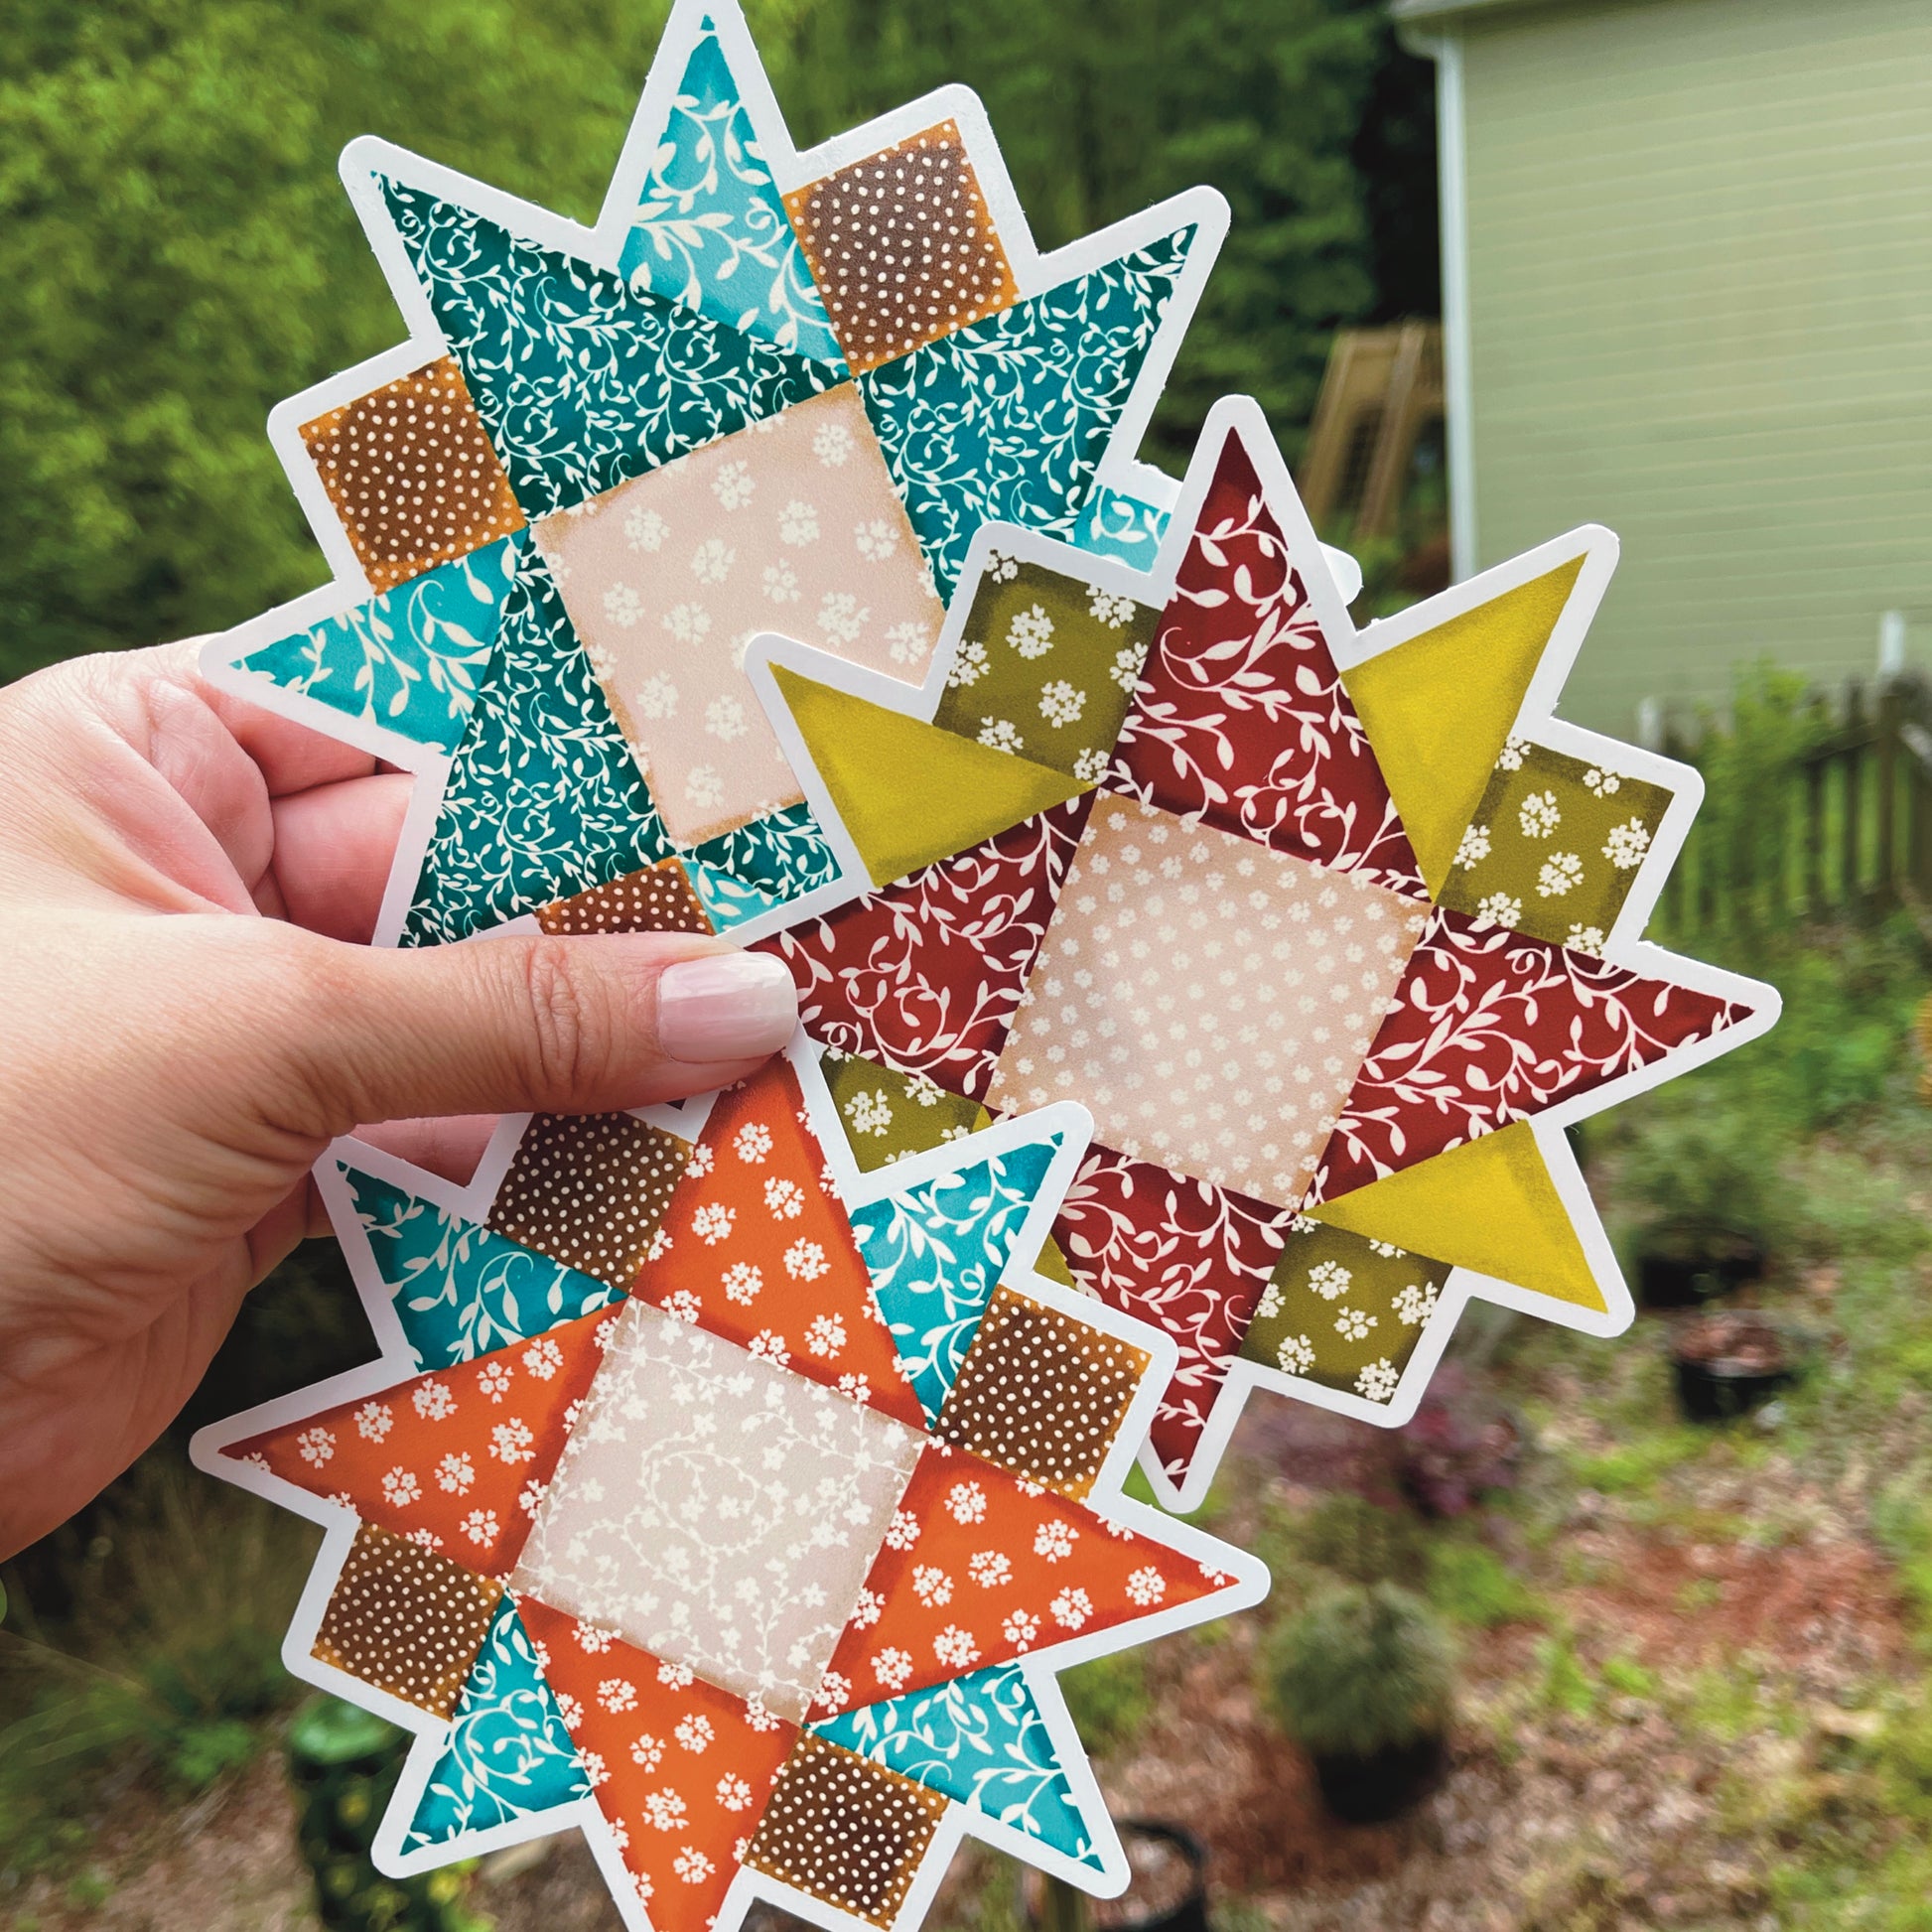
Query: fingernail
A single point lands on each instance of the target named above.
(728, 1007)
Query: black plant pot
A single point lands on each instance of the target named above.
(1685, 1264)
(1369, 1788)
(1727, 1363)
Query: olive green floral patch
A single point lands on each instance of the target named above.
(1555, 846)
(1343, 1311)
(888, 1114)
(1047, 667)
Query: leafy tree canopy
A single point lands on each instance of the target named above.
(176, 253)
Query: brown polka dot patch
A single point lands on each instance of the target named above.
(846, 1830)
(589, 1190)
(661, 898)
(901, 247)
(406, 1620)
(412, 474)
(1041, 1394)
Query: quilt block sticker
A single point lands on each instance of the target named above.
(1333, 932)
(719, 1570)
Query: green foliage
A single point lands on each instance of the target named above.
(1304, 113)
(1470, 1585)
(169, 1663)
(1362, 1669)
(1351, 1538)
(1565, 1685)
(176, 253)
(1108, 1697)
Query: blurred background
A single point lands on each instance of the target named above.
(1615, 1633)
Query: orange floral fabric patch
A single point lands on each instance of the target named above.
(757, 1248)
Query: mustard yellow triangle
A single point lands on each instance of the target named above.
(1488, 1205)
(908, 792)
(1438, 709)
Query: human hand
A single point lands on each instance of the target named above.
(185, 884)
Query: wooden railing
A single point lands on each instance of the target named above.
(1823, 813)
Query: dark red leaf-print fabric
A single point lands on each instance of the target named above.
(1489, 1027)
(1241, 716)
(927, 973)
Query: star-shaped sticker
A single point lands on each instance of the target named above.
(755, 392)
(700, 1568)
(1335, 931)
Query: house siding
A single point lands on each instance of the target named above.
(1700, 265)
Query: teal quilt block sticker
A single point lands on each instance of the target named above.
(409, 660)
(459, 1289)
(508, 1753)
(580, 381)
(1007, 421)
(981, 1741)
(711, 230)
(935, 1254)
(544, 799)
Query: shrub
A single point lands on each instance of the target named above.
(1362, 1669)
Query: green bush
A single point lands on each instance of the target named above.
(1361, 1670)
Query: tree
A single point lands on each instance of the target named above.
(176, 253)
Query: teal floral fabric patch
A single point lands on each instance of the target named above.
(772, 859)
(409, 659)
(979, 1741)
(544, 799)
(711, 230)
(508, 1753)
(582, 381)
(935, 1254)
(1114, 524)
(1008, 420)
(461, 1290)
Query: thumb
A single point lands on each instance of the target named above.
(549, 1023)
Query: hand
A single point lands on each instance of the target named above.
(186, 887)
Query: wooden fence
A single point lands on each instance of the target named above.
(1818, 811)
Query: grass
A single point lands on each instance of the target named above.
(166, 1666)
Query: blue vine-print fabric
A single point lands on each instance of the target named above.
(544, 799)
(711, 230)
(1114, 524)
(981, 1741)
(409, 659)
(935, 1254)
(582, 381)
(461, 1290)
(508, 1753)
(1007, 420)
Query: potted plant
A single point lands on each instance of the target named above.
(1728, 1360)
(1363, 1680)
(1712, 1209)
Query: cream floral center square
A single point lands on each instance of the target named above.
(790, 525)
(716, 1510)
(1209, 999)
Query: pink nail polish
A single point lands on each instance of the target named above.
(728, 1007)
